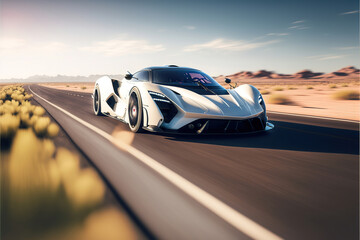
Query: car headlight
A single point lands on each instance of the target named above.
(159, 97)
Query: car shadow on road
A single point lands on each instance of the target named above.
(285, 136)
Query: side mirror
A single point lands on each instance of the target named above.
(228, 81)
(128, 76)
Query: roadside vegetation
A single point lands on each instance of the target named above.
(45, 193)
(278, 88)
(347, 95)
(265, 92)
(279, 99)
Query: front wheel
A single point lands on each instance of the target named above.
(135, 111)
(97, 102)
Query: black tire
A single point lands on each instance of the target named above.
(97, 102)
(135, 111)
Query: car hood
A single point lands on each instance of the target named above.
(232, 104)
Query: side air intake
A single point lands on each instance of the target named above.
(116, 86)
(166, 107)
(111, 101)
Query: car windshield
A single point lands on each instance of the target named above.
(182, 77)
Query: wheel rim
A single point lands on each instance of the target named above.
(133, 110)
(96, 101)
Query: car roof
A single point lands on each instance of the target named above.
(172, 67)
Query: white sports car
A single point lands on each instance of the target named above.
(180, 100)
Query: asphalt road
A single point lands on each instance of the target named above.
(300, 180)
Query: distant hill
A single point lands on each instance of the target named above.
(58, 78)
(343, 73)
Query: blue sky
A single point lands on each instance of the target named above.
(219, 37)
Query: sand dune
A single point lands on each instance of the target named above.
(346, 73)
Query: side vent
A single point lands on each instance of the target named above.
(116, 86)
(111, 101)
(166, 107)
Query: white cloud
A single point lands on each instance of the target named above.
(347, 48)
(190, 27)
(229, 45)
(28, 57)
(121, 46)
(15, 47)
(350, 12)
(324, 57)
(316, 56)
(54, 47)
(11, 43)
(294, 27)
(298, 22)
(332, 57)
(277, 34)
(298, 27)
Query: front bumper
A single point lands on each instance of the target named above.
(222, 126)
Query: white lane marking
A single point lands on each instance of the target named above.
(228, 214)
(317, 117)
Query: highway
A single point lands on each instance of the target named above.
(297, 181)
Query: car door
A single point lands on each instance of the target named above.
(127, 85)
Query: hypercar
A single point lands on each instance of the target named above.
(180, 100)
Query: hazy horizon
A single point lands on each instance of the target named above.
(122, 74)
(89, 37)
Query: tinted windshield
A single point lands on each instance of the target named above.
(182, 77)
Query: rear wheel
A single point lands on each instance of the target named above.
(135, 111)
(97, 102)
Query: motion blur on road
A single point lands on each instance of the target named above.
(298, 181)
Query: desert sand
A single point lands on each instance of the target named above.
(318, 101)
(87, 87)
